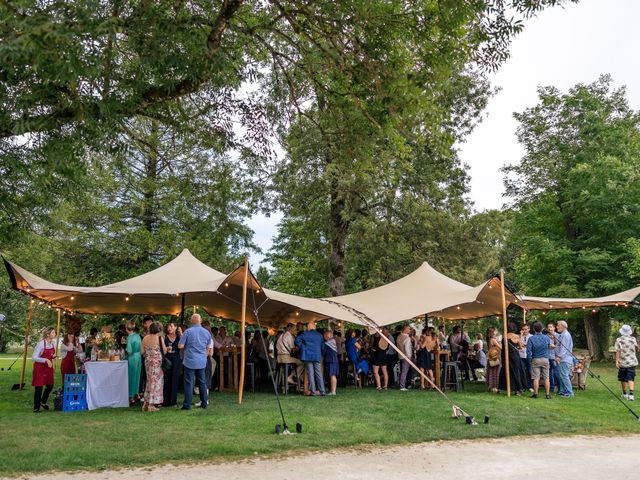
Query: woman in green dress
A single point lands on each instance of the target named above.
(134, 344)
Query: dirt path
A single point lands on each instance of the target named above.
(530, 457)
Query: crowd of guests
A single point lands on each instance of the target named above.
(545, 355)
(161, 359)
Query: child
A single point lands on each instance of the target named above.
(626, 361)
(331, 360)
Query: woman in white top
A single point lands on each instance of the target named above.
(43, 357)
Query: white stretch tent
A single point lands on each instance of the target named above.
(427, 291)
(620, 299)
(184, 281)
(187, 281)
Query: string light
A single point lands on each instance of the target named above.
(297, 314)
(28, 290)
(593, 311)
(226, 284)
(126, 299)
(73, 298)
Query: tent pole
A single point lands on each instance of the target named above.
(26, 344)
(182, 311)
(58, 333)
(524, 315)
(243, 318)
(504, 335)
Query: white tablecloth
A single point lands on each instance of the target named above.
(107, 384)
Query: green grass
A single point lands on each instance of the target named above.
(128, 437)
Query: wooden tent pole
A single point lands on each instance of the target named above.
(504, 335)
(243, 321)
(58, 333)
(182, 311)
(26, 344)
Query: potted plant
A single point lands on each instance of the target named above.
(105, 344)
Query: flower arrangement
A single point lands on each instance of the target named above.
(105, 342)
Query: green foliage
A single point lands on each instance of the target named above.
(576, 192)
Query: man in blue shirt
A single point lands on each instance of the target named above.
(197, 345)
(564, 356)
(311, 344)
(538, 347)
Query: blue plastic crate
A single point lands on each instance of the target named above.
(75, 383)
(74, 402)
(75, 393)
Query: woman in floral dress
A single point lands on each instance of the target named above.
(493, 371)
(151, 345)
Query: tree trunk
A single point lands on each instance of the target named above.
(338, 232)
(597, 330)
(150, 183)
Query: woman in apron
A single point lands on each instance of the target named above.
(43, 358)
(68, 355)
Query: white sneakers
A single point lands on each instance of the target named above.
(628, 396)
(404, 389)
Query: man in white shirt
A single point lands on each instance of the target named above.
(405, 346)
(285, 348)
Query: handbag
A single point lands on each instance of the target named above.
(166, 363)
(493, 357)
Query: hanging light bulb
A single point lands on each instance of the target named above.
(126, 299)
(73, 298)
(226, 284)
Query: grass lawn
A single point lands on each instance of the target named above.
(128, 437)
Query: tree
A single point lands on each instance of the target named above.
(576, 194)
(352, 130)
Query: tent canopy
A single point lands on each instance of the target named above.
(161, 292)
(620, 299)
(427, 291)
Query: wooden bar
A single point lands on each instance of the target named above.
(221, 369)
(231, 373)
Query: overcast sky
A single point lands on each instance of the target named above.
(560, 47)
